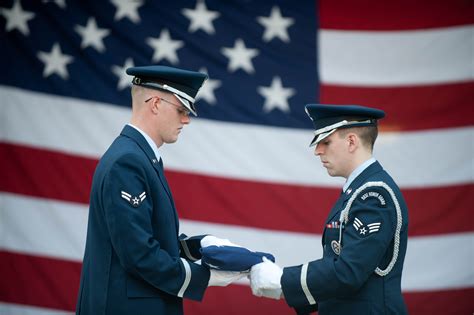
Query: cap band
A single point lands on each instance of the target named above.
(341, 124)
(323, 133)
(184, 98)
(165, 87)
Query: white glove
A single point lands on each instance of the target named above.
(211, 240)
(265, 279)
(221, 278)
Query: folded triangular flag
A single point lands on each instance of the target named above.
(232, 258)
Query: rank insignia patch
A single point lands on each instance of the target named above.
(134, 201)
(365, 229)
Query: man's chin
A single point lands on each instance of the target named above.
(169, 141)
(331, 172)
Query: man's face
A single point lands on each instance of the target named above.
(334, 154)
(171, 118)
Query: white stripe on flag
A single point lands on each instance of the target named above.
(43, 227)
(58, 229)
(415, 159)
(358, 58)
(15, 309)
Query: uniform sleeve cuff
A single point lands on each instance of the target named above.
(195, 282)
(295, 288)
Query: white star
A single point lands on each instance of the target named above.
(207, 90)
(165, 47)
(17, 18)
(127, 8)
(276, 96)
(59, 3)
(239, 56)
(55, 62)
(363, 231)
(135, 200)
(124, 78)
(201, 18)
(92, 35)
(275, 25)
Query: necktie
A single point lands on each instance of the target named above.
(165, 182)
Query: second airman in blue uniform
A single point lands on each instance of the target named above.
(365, 235)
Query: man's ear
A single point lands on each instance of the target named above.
(353, 141)
(155, 105)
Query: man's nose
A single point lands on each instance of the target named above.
(318, 150)
(185, 119)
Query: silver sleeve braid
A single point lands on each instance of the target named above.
(345, 217)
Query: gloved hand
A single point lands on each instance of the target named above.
(211, 240)
(220, 278)
(265, 279)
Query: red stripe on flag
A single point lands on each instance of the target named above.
(304, 209)
(236, 300)
(39, 281)
(45, 173)
(41, 173)
(410, 108)
(394, 15)
(52, 283)
(453, 301)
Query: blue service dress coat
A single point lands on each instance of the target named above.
(357, 274)
(132, 262)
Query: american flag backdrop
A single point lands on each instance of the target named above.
(241, 170)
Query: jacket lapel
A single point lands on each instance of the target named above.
(356, 183)
(140, 140)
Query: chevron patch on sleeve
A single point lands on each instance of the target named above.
(134, 201)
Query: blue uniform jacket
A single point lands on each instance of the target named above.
(132, 262)
(344, 281)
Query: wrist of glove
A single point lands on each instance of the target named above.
(265, 279)
(220, 278)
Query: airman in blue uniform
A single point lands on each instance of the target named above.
(134, 261)
(365, 235)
